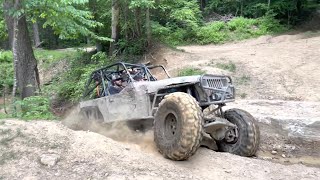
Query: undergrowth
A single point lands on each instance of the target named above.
(34, 107)
(69, 86)
(190, 71)
(229, 66)
(218, 32)
(50, 57)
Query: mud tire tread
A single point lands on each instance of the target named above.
(249, 134)
(187, 141)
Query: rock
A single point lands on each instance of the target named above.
(30, 178)
(49, 159)
(117, 177)
(266, 158)
(274, 152)
(277, 147)
(283, 155)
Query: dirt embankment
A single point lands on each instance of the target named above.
(49, 150)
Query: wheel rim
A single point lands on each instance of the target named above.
(170, 124)
(232, 135)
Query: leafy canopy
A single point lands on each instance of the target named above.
(70, 19)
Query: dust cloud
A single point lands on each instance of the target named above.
(118, 131)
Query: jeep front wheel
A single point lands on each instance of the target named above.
(244, 139)
(178, 126)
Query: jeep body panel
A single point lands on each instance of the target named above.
(140, 99)
(132, 103)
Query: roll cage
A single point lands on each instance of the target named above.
(101, 79)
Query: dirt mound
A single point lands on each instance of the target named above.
(49, 150)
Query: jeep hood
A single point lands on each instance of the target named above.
(153, 86)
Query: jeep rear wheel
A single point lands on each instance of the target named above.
(178, 126)
(243, 140)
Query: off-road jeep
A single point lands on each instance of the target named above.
(181, 109)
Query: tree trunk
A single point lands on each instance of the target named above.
(138, 21)
(7, 5)
(148, 26)
(114, 26)
(36, 35)
(25, 64)
(93, 8)
(126, 15)
(202, 4)
(241, 8)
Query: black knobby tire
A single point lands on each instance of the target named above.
(248, 139)
(178, 126)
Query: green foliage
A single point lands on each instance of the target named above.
(34, 107)
(6, 69)
(3, 34)
(212, 33)
(183, 13)
(287, 11)
(269, 24)
(190, 71)
(238, 29)
(65, 17)
(241, 24)
(141, 3)
(69, 86)
(3, 116)
(132, 47)
(217, 32)
(51, 57)
(176, 21)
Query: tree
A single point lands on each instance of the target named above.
(61, 15)
(25, 64)
(36, 34)
(3, 34)
(114, 26)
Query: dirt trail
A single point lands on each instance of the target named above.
(87, 155)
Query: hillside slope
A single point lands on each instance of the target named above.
(28, 147)
(282, 67)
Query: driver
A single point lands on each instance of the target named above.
(117, 86)
(136, 74)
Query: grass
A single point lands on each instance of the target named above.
(3, 116)
(190, 71)
(243, 80)
(243, 95)
(230, 66)
(50, 57)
